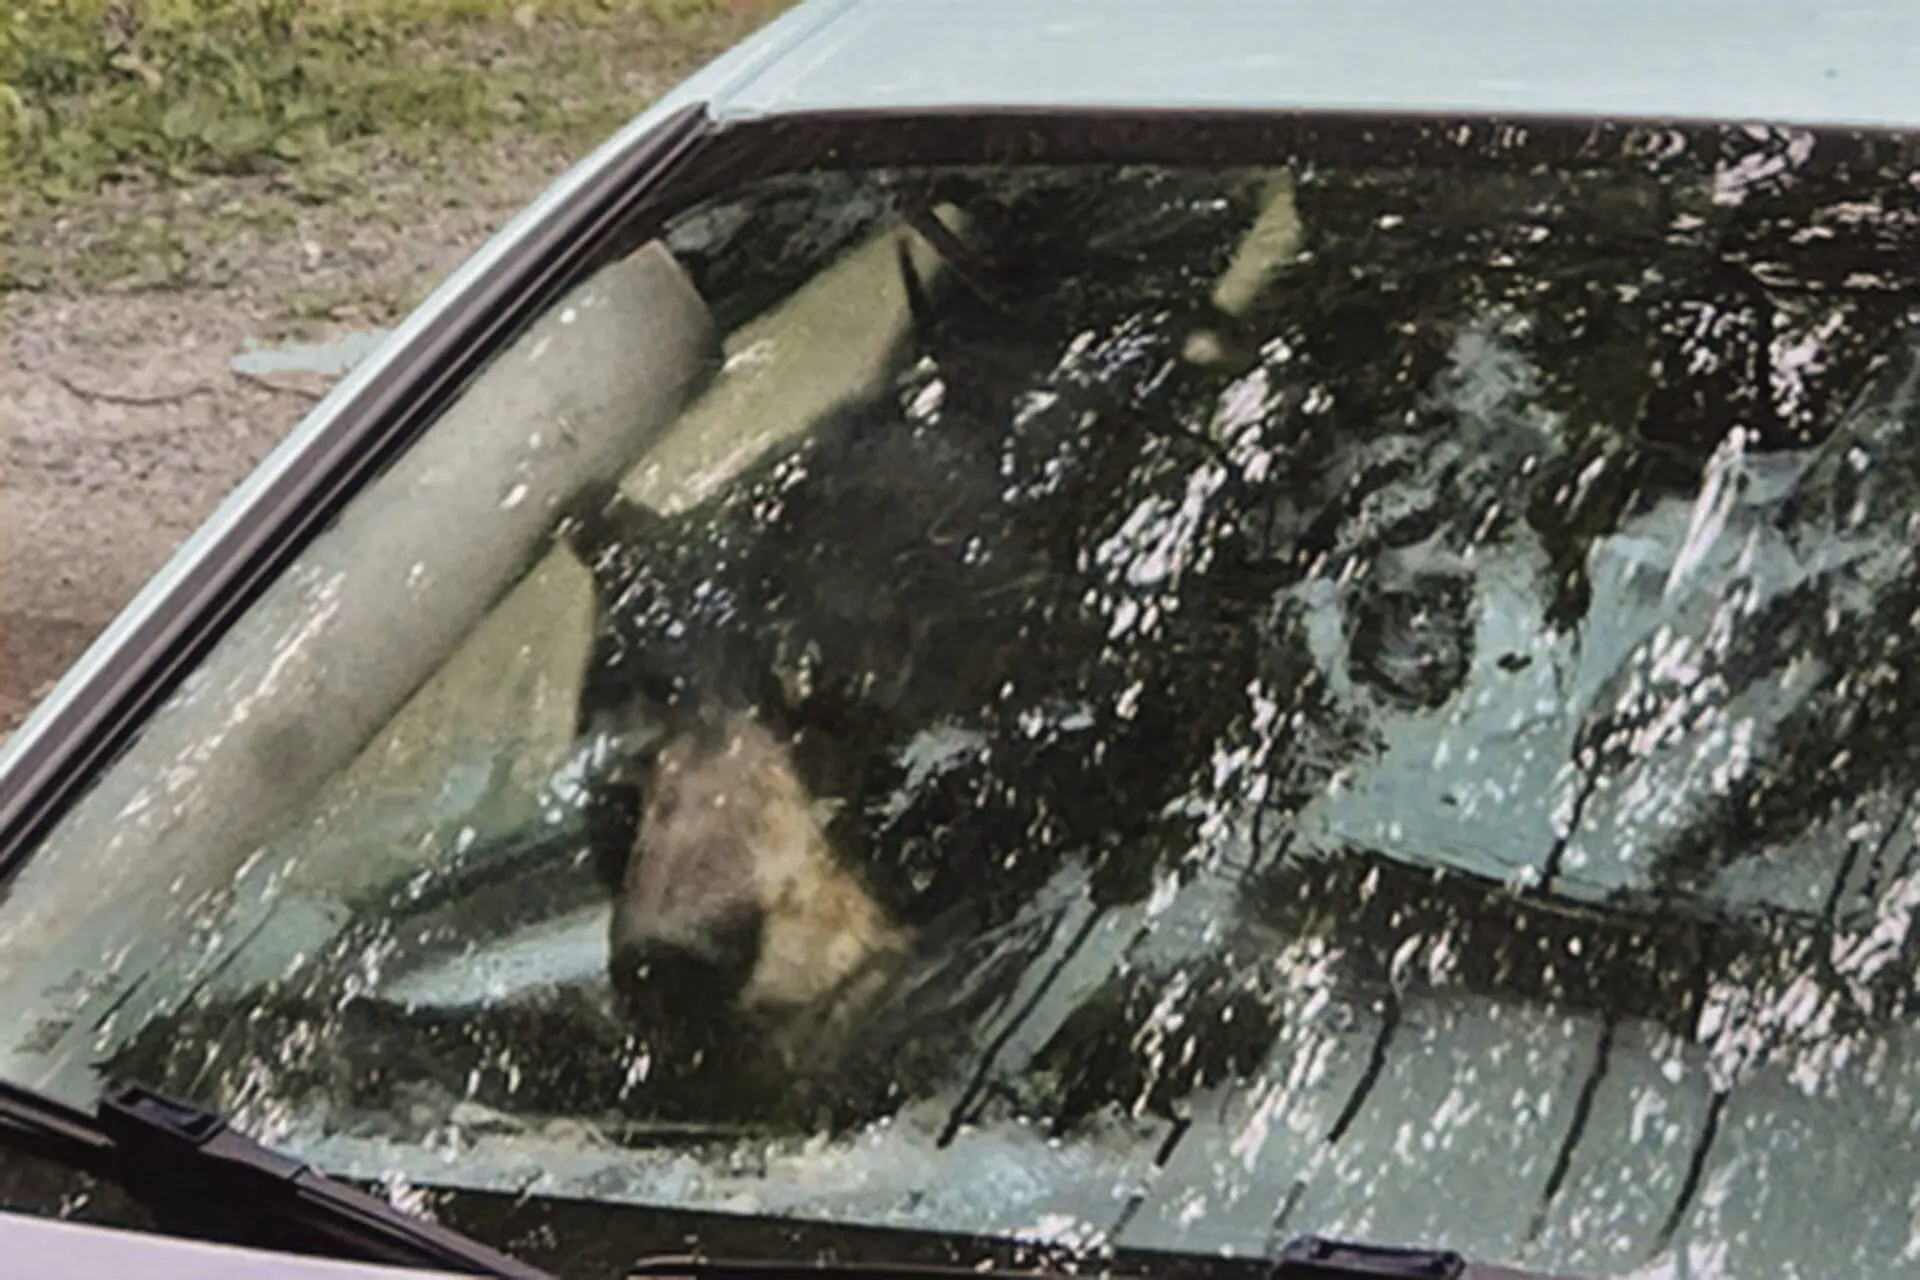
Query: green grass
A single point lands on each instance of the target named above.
(94, 92)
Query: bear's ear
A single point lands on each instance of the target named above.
(599, 520)
(582, 523)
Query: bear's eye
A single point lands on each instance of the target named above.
(1413, 644)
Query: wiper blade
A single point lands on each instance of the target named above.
(194, 1169)
(1308, 1258)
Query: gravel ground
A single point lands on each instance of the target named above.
(125, 423)
(122, 421)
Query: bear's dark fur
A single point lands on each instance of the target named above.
(782, 645)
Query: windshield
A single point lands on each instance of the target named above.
(1154, 706)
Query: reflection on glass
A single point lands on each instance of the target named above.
(1158, 707)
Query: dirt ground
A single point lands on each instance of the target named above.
(122, 421)
(125, 424)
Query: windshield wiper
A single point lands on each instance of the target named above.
(1308, 1258)
(201, 1176)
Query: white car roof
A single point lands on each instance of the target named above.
(1833, 63)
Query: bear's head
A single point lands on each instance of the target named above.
(738, 927)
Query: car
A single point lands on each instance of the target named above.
(1189, 638)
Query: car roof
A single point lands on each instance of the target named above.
(1739, 60)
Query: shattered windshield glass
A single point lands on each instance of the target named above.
(1169, 707)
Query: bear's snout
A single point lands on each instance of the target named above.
(734, 904)
(681, 977)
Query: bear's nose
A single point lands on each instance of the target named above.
(666, 982)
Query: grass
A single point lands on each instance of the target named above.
(95, 93)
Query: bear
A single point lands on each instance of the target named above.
(770, 675)
(878, 692)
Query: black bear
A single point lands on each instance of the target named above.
(883, 688)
